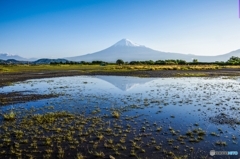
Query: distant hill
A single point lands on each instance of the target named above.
(48, 61)
(130, 51)
(12, 61)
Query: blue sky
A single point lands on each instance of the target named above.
(57, 28)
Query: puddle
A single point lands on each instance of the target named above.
(183, 116)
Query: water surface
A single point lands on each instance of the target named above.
(180, 104)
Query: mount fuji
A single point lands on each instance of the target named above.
(127, 50)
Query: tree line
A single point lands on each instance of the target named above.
(232, 61)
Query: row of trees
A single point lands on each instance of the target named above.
(159, 62)
(232, 61)
(121, 62)
(82, 62)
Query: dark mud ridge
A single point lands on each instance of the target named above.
(20, 97)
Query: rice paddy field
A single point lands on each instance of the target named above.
(122, 117)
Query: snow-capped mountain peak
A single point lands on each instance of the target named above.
(127, 42)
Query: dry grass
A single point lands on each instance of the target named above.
(9, 116)
(166, 67)
(108, 68)
(92, 68)
(115, 114)
(230, 66)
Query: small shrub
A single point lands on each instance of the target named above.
(115, 114)
(10, 116)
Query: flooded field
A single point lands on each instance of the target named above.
(122, 117)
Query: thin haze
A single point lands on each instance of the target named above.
(58, 28)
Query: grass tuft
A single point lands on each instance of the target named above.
(10, 116)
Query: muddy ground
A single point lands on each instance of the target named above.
(7, 78)
(20, 97)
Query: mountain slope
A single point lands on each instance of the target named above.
(130, 51)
